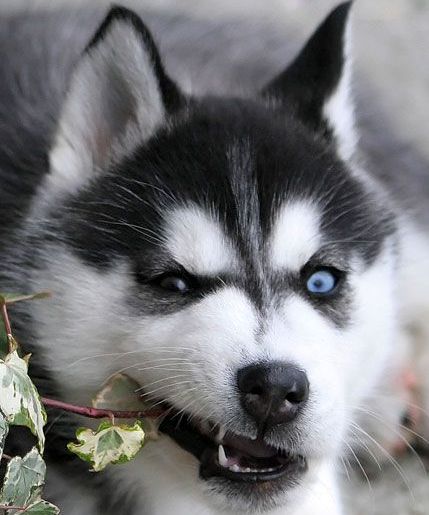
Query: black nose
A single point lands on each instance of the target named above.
(272, 393)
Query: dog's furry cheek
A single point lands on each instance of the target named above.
(374, 334)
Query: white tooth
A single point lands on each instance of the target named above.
(247, 469)
(235, 468)
(220, 434)
(223, 461)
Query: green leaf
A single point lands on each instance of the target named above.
(4, 428)
(120, 393)
(39, 508)
(11, 298)
(19, 400)
(24, 480)
(108, 444)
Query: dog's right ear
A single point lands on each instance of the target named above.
(119, 95)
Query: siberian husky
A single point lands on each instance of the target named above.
(225, 244)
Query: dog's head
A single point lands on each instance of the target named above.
(225, 251)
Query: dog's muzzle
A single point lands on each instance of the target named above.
(272, 394)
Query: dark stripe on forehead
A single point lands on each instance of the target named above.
(248, 229)
(245, 190)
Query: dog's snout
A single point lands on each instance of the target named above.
(272, 393)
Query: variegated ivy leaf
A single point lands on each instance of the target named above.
(39, 508)
(4, 428)
(23, 483)
(24, 480)
(11, 298)
(19, 400)
(108, 444)
(121, 393)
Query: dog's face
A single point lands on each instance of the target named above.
(226, 254)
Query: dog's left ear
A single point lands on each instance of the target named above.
(119, 96)
(316, 86)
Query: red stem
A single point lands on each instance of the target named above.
(88, 411)
(7, 327)
(6, 320)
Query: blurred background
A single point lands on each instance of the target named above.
(391, 41)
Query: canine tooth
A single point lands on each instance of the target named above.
(223, 460)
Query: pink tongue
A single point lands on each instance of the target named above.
(256, 448)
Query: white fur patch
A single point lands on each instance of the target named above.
(296, 235)
(197, 241)
(339, 109)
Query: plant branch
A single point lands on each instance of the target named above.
(10, 340)
(90, 412)
(6, 320)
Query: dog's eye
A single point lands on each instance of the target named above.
(174, 281)
(174, 284)
(322, 282)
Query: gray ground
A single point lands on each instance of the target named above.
(391, 43)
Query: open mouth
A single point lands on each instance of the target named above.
(231, 456)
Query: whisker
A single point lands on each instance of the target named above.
(202, 408)
(359, 465)
(343, 461)
(397, 433)
(394, 462)
(184, 410)
(367, 449)
(163, 387)
(163, 368)
(170, 349)
(379, 396)
(186, 392)
(159, 381)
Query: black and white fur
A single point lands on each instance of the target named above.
(114, 175)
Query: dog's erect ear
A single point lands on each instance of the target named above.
(119, 95)
(316, 86)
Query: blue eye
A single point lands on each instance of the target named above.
(321, 282)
